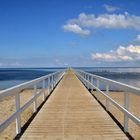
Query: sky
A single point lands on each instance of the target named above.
(69, 33)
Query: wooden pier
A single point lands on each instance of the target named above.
(71, 113)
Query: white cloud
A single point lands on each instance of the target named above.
(108, 21)
(138, 38)
(76, 29)
(10, 63)
(110, 8)
(129, 53)
(16, 64)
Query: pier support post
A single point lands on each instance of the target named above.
(126, 106)
(18, 120)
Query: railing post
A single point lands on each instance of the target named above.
(44, 96)
(88, 81)
(126, 106)
(84, 78)
(97, 85)
(92, 84)
(48, 85)
(35, 99)
(107, 101)
(52, 82)
(18, 120)
(57, 78)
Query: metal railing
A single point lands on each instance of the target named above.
(51, 79)
(88, 78)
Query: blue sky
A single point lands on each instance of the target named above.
(53, 33)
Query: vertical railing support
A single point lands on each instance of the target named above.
(107, 101)
(97, 85)
(48, 85)
(88, 81)
(35, 99)
(43, 96)
(84, 75)
(126, 106)
(91, 81)
(18, 120)
(84, 78)
(52, 82)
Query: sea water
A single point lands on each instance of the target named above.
(128, 75)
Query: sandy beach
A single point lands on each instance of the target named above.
(134, 103)
(8, 106)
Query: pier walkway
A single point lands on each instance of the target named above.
(71, 113)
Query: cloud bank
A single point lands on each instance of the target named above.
(138, 38)
(121, 54)
(85, 22)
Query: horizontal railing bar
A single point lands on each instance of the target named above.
(131, 116)
(13, 90)
(125, 87)
(13, 116)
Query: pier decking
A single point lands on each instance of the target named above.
(72, 113)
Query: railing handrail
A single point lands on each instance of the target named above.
(13, 90)
(53, 79)
(125, 87)
(85, 79)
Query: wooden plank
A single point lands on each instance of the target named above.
(71, 113)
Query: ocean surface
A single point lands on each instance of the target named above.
(13, 76)
(127, 75)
